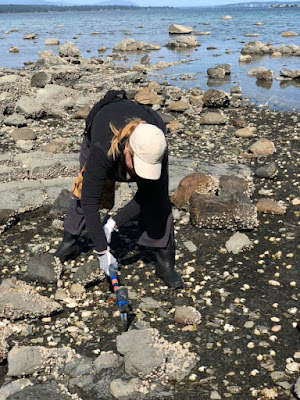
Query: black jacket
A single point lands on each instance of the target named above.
(152, 195)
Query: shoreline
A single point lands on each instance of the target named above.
(245, 343)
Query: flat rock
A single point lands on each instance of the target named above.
(256, 47)
(107, 359)
(183, 42)
(44, 391)
(187, 315)
(270, 206)
(51, 42)
(246, 132)
(13, 387)
(126, 390)
(88, 273)
(237, 243)
(148, 96)
(148, 304)
(213, 118)
(290, 73)
(23, 134)
(289, 34)
(216, 73)
(43, 268)
(82, 112)
(178, 106)
(175, 29)
(15, 119)
(61, 204)
(19, 300)
(40, 79)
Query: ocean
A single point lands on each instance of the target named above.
(151, 25)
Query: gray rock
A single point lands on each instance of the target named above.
(183, 42)
(145, 60)
(226, 67)
(125, 390)
(256, 47)
(24, 360)
(288, 50)
(43, 268)
(290, 74)
(79, 365)
(237, 243)
(14, 387)
(19, 300)
(61, 203)
(29, 107)
(106, 360)
(190, 246)
(54, 96)
(68, 50)
(23, 134)
(47, 59)
(45, 391)
(51, 42)
(267, 171)
(15, 120)
(88, 273)
(148, 304)
(297, 388)
(212, 118)
(216, 73)
(40, 79)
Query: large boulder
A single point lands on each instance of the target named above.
(261, 73)
(288, 50)
(256, 47)
(288, 73)
(47, 58)
(132, 45)
(216, 73)
(56, 96)
(216, 98)
(183, 42)
(29, 107)
(175, 29)
(11, 88)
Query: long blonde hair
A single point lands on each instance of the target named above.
(120, 135)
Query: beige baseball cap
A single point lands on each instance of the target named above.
(149, 144)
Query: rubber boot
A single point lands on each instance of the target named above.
(164, 268)
(69, 248)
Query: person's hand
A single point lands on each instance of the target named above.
(107, 262)
(109, 228)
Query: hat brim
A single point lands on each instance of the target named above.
(146, 170)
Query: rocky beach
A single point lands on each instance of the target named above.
(233, 331)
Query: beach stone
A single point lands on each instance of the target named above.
(42, 268)
(126, 390)
(187, 315)
(288, 50)
(251, 34)
(276, 54)
(40, 79)
(47, 59)
(29, 107)
(15, 119)
(219, 212)
(206, 33)
(215, 99)
(149, 304)
(256, 71)
(245, 59)
(145, 60)
(175, 29)
(44, 391)
(226, 67)
(216, 73)
(262, 148)
(19, 300)
(226, 17)
(78, 366)
(174, 126)
(147, 96)
(234, 185)
(183, 42)
(149, 356)
(290, 74)
(270, 206)
(51, 42)
(264, 75)
(68, 50)
(239, 122)
(256, 47)
(107, 359)
(56, 146)
(196, 101)
(14, 49)
(190, 184)
(13, 387)
(29, 36)
(23, 134)
(54, 96)
(237, 243)
(88, 273)
(179, 106)
(212, 118)
(289, 34)
(82, 113)
(190, 246)
(246, 132)
(267, 171)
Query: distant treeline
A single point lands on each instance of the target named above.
(16, 8)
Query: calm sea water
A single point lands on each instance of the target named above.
(151, 25)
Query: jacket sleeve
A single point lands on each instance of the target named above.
(95, 175)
